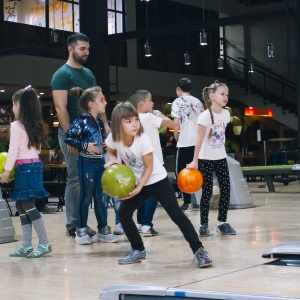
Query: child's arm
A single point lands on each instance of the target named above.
(148, 168)
(199, 141)
(112, 157)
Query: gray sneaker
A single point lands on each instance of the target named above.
(226, 229)
(105, 236)
(203, 258)
(82, 237)
(133, 256)
(91, 232)
(204, 231)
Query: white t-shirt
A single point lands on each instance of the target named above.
(133, 157)
(214, 148)
(151, 124)
(187, 109)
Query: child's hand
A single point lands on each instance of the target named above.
(92, 148)
(131, 194)
(192, 165)
(112, 162)
(5, 177)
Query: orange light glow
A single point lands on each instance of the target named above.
(250, 111)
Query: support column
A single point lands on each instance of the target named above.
(297, 37)
(93, 23)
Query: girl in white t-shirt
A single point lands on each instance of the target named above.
(210, 155)
(128, 143)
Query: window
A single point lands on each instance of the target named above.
(115, 16)
(63, 15)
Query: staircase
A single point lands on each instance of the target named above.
(267, 90)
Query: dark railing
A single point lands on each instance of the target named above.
(267, 84)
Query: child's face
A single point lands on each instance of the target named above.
(16, 109)
(148, 103)
(130, 126)
(99, 104)
(220, 96)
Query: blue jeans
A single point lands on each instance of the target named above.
(116, 204)
(90, 172)
(146, 212)
(72, 184)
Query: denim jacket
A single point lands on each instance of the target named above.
(84, 130)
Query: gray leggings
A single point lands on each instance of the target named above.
(23, 206)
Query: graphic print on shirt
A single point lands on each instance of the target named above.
(132, 161)
(218, 136)
(187, 109)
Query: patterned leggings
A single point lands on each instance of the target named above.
(220, 167)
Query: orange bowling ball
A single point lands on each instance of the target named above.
(190, 180)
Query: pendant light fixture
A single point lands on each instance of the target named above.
(220, 63)
(187, 57)
(271, 50)
(147, 46)
(251, 68)
(203, 34)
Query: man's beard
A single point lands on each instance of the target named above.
(79, 59)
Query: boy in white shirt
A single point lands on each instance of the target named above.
(151, 121)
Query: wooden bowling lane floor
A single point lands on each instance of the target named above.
(74, 271)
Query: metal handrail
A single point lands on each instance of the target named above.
(268, 84)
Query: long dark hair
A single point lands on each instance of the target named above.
(31, 117)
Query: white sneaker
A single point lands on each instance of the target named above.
(148, 231)
(118, 229)
(139, 227)
(83, 240)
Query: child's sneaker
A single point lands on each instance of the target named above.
(187, 207)
(203, 258)
(105, 236)
(118, 229)
(139, 227)
(133, 256)
(41, 250)
(82, 236)
(148, 231)
(226, 229)
(21, 252)
(204, 231)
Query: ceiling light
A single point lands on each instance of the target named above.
(271, 50)
(187, 58)
(147, 48)
(220, 63)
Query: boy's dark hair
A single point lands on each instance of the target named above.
(75, 37)
(31, 117)
(184, 84)
(138, 96)
(123, 110)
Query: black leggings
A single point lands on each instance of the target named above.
(23, 206)
(164, 193)
(184, 156)
(220, 167)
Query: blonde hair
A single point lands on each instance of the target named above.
(124, 110)
(205, 95)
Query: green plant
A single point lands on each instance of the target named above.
(4, 145)
(232, 145)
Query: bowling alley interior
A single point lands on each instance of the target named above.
(252, 46)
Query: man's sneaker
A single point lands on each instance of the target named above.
(91, 232)
(139, 227)
(82, 236)
(71, 233)
(148, 231)
(203, 258)
(118, 229)
(105, 236)
(204, 231)
(133, 256)
(187, 207)
(226, 229)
